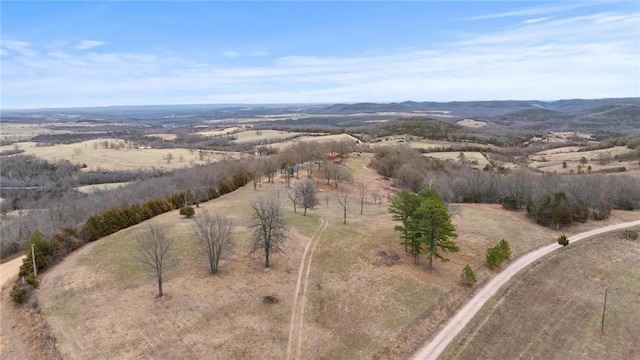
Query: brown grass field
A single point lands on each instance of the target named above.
(551, 160)
(88, 189)
(94, 156)
(100, 302)
(473, 156)
(263, 135)
(553, 309)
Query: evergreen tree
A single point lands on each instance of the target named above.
(468, 277)
(433, 228)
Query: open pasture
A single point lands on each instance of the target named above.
(471, 123)
(599, 160)
(119, 156)
(476, 158)
(356, 305)
(263, 135)
(221, 132)
(439, 145)
(25, 131)
(89, 189)
(553, 309)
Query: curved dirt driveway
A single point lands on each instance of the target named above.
(9, 270)
(432, 350)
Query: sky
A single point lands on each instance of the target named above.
(93, 53)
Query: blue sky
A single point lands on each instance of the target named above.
(69, 54)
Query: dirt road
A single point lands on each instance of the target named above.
(9, 270)
(433, 349)
(297, 313)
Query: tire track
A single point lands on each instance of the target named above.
(299, 300)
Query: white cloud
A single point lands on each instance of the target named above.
(530, 11)
(536, 20)
(89, 44)
(234, 53)
(588, 56)
(21, 47)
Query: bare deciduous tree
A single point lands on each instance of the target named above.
(214, 234)
(294, 196)
(343, 200)
(341, 174)
(307, 192)
(268, 227)
(154, 249)
(363, 191)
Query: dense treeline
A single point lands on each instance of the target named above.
(52, 211)
(49, 212)
(551, 199)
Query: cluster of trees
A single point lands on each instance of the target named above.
(52, 210)
(497, 254)
(106, 223)
(214, 236)
(426, 225)
(304, 193)
(553, 199)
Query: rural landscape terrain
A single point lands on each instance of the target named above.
(319, 231)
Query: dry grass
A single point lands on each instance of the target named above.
(27, 131)
(94, 156)
(101, 304)
(553, 309)
(430, 144)
(318, 138)
(551, 160)
(89, 189)
(473, 156)
(214, 133)
(263, 135)
(471, 123)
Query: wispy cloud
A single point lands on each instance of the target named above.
(536, 20)
(234, 53)
(89, 44)
(583, 56)
(20, 47)
(535, 11)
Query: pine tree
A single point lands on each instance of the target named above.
(468, 277)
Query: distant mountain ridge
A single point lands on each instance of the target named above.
(614, 114)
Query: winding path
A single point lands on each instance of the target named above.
(10, 269)
(297, 312)
(433, 349)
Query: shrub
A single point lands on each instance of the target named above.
(19, 293)
(630, 234)
(601, 211)
(31, 280)
(625, 204)
(468, 277)
(562, 240)
(226, 186)
(493, 256)
(505, 249)
(187, 211)
(42, 250)
(496, 254)
(212, 194)
(509, 202)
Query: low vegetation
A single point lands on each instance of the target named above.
(356, 267)
(552, 316)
